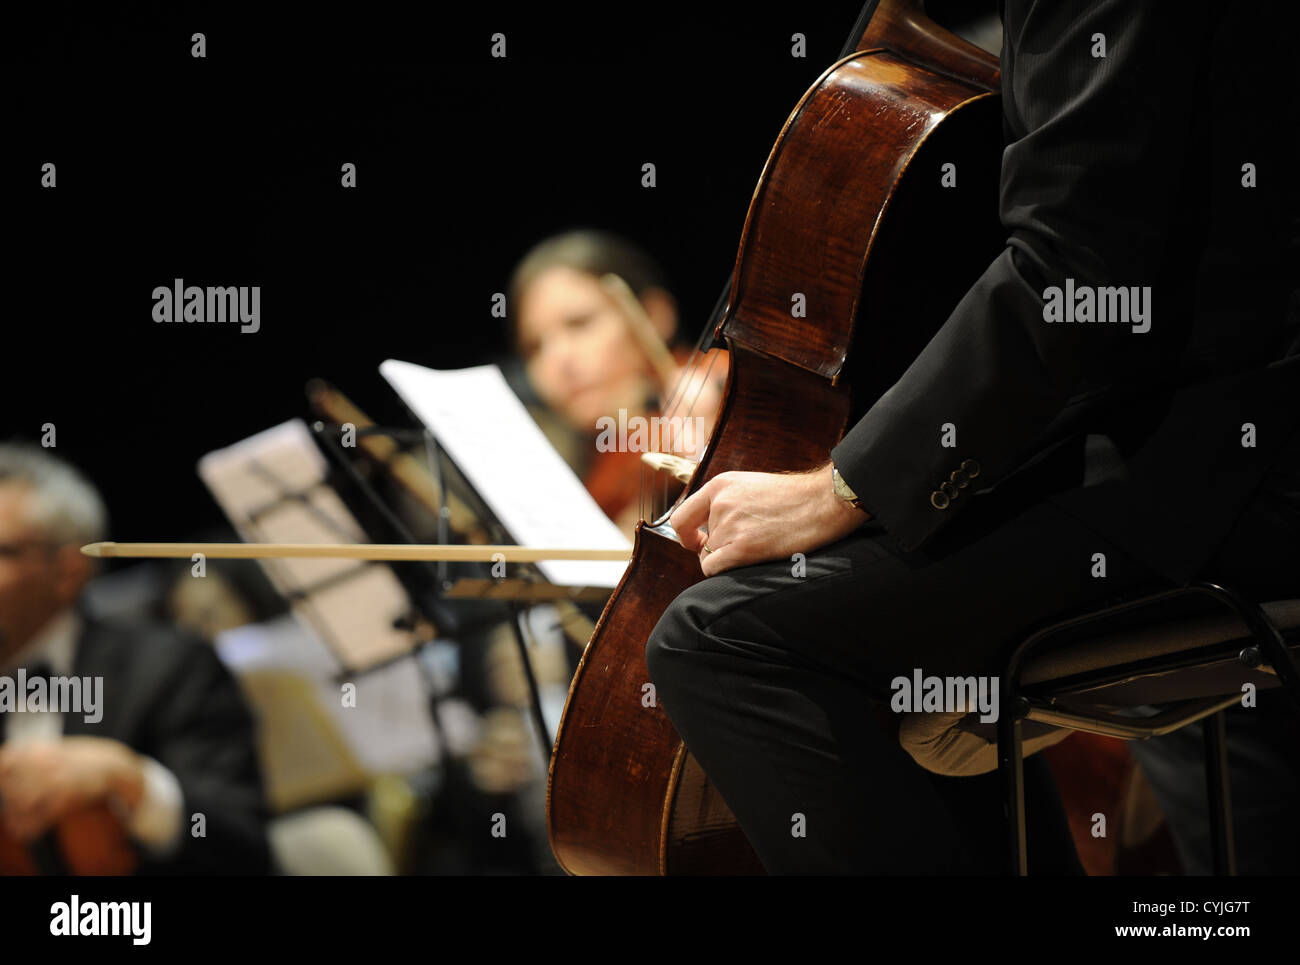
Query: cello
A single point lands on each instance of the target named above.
(844, 214)
(89, 841)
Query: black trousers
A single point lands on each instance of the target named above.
(773, 678)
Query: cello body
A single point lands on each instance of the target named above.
(857, 212)
(90, 841)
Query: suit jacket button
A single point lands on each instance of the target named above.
(971, 467)
(939, 500)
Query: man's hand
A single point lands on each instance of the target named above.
(42, 781)
(740, 518)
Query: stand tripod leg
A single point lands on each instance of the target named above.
(535, 696)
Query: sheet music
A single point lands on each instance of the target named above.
(488, 433)
(272, 488)
(388, 728)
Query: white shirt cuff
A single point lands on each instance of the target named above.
(156, 822)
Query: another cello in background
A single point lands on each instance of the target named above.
(91, 841)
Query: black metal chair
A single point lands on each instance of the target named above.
(1144, 668)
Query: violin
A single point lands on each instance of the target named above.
(690, 383)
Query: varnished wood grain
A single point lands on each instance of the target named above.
(624, 796)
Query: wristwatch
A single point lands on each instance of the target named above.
(843, 490)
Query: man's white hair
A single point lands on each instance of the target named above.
(63, 503)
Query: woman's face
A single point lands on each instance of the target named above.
(579, 350)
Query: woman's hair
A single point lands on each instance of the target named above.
(587, 250)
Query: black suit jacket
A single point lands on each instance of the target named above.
(167, 695)
(1123, 169)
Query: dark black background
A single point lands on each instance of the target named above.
(226, 171)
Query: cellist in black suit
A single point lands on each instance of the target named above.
(161, 735)
(1144, 152)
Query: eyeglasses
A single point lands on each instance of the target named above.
(16, 548)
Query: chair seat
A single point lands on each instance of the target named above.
(1180, 659)
(1133, 646)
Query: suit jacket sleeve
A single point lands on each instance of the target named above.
(201, 730)
(1090, 189)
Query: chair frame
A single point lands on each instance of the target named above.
(1269, 647)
